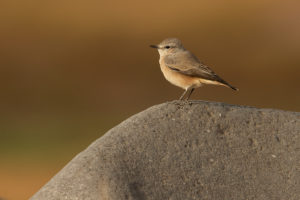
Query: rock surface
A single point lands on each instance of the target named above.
(188, 150)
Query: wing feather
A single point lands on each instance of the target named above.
(188, 64)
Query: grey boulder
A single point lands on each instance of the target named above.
(188, 150)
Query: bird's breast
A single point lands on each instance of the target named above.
(178, 79)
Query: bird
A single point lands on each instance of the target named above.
(183, 69)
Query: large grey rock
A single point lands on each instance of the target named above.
(188, 150)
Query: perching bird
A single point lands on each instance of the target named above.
(181, 68)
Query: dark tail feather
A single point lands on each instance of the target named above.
(227, 84)
(234, 88)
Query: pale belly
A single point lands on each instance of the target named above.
(179, 79)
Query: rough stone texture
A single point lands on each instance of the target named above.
(188, 150)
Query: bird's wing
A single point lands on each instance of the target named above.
(188, 64)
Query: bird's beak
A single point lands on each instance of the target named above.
(154, 46)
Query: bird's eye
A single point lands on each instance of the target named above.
(167, 47)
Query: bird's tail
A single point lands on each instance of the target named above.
(232, 87)
(226, 84)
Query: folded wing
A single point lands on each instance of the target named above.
(188, 64)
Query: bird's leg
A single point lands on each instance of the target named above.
(183, 94)
(191, 91)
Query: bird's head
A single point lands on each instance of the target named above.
(169, 46)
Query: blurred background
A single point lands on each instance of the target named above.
(71, 70)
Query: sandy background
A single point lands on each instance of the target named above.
(70, 70)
